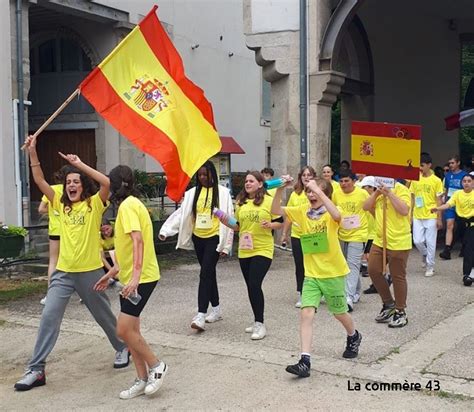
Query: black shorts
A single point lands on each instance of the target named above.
(368, 245)
(53, 237)
(144, 290)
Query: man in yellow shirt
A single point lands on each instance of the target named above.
(353, 231)
(398, 244)
(426, 194)
(463, 200)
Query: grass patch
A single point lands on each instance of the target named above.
(396, 349)
(16, 289)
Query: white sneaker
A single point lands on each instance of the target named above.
(429, 272)
(43, 301)
(155, 378)
(259, 331)
(199, 322)
(214, 316)
(298, 303)
(423, 261)
(137, 389)
(250, 329)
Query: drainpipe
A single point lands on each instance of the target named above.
(303, 86)
(21, 113)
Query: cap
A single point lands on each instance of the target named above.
(368, 181)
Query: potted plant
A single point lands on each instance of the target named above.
(12, 241)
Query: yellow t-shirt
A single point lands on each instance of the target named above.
(272, 192)
(80, 234)
(297, 200)
(133, 216)
(464, 203)
(426, 191)
(398, 226)
(250, 218)
(354, 226)
(54, 225)
(206, 224)
(330, 264)
(336, 187)
(107, 243)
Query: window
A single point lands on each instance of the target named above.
(266, 117)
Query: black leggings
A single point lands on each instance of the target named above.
(468, 245)
(254, 270)
(207, 256)
(299, 263)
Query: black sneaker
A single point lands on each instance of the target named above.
(352, 346)
(445, 254)
(364, 271)
(302, 369)
(385, 314)
(31, 379)
(467, 281)
(399, 319)
(370, 290)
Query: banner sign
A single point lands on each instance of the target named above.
(386, 149)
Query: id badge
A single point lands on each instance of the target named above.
(419, 201)
(245, 241)
(451, 191)
(314, 243)
(203, 221)
(351, 222)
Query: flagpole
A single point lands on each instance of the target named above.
(384, 234)
(55, 114)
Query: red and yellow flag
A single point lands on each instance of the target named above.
(386, 149)
(141, 89)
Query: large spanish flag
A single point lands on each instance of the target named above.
(386, 149)
(141, 89)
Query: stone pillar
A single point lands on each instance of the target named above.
(324, 87)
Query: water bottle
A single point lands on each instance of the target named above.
(274, 183)
(134, 299)
(220, 214)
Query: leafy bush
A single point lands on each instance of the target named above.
(12, 230)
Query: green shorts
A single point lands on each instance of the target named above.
(333, 290)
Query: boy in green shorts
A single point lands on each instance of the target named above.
(325, 267)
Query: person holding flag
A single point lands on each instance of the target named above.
(398, 245)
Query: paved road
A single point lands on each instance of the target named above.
(222, 368)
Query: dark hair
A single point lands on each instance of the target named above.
(299, 186)
(268, 171)
(467, 175)
(345, 162)
(211, 174)
(439, 171)
(328, 165)
(122, 183)
(456, 158)
(425, 158)
(325, 186)
(105, 221)
(346, 173)
(89, 188)
(259, 195)
(59, 175)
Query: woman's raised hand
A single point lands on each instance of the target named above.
(71, 158)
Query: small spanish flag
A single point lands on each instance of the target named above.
(141, 89)
(386, 149)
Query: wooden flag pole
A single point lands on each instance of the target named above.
(55, 114)
(384, 234)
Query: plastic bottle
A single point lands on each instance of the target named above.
(134, 299)
(274, 183)
(220, 214)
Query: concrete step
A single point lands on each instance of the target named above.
(41, 247)
(40, 268)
